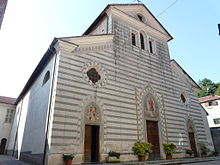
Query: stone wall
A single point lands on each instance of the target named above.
(126, 68)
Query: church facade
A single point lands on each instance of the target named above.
(105, 90)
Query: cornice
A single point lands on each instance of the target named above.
(85, 44)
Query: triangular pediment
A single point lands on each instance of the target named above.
(135, 10)
(130, 12)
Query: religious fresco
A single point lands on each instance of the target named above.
(150, 106)
(92, 113)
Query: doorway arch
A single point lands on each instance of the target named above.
(2, 146)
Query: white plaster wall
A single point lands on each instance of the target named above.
(102, 28)
(18, 125)
(37, 111)
(5, 127)
(14, 127)
(214, 113)
(207, 130)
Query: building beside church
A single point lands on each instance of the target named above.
(7, 110)
(212, 105)
(105, 90)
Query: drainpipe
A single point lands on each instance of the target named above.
(138, 136)
(165, 118)
(52, 50)
(16, 135)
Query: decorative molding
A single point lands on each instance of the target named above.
(153, 101)
(101, 71)
(190, 127)
(91, 48)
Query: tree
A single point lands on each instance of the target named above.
(207, 87)
(217, 92)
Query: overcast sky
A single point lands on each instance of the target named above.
(29, 27)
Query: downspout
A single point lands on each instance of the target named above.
(138, 136)
(50, 106)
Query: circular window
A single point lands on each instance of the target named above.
(94, 74)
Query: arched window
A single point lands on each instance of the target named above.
(133, 38)
(140, 17)
(183, 98)
(142, 41)
(151, 46)
(46, 77)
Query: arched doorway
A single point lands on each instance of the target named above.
(191, 134)
(2, 146)
(152, 122)
(92, 133)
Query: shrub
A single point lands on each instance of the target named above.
(203, 148)
(68, 157)
(189, 151)
(114, 154)
(142, 148)
(169, 148)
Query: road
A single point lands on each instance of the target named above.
(217, 162)
(8, 160)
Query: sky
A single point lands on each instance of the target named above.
(29, 27)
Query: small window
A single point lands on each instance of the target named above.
(133, 39)
(46, 77)
(9, 116)
(142, 41)
(213, 103)
(151, 46)
(140, 17)
(93, 75)
(183, 98)
(216, 121)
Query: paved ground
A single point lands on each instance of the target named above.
(206, 163)
(8, 160)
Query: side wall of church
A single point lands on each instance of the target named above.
(29, 127)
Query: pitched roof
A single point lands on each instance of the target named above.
(7, 100)
(185, 73)
(103, 13)
(208, 98)
(44, 60)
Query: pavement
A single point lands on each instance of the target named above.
(8, 160)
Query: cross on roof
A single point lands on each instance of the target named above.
(138, 1)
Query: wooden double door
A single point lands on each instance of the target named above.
(153, 138)
(91, 143)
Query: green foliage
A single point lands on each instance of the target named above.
(142, 148)
(217, 92)
(169, 148)
(114, 154)
(68, 157)
(207, 87)
(203, 148)
(190, 152)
